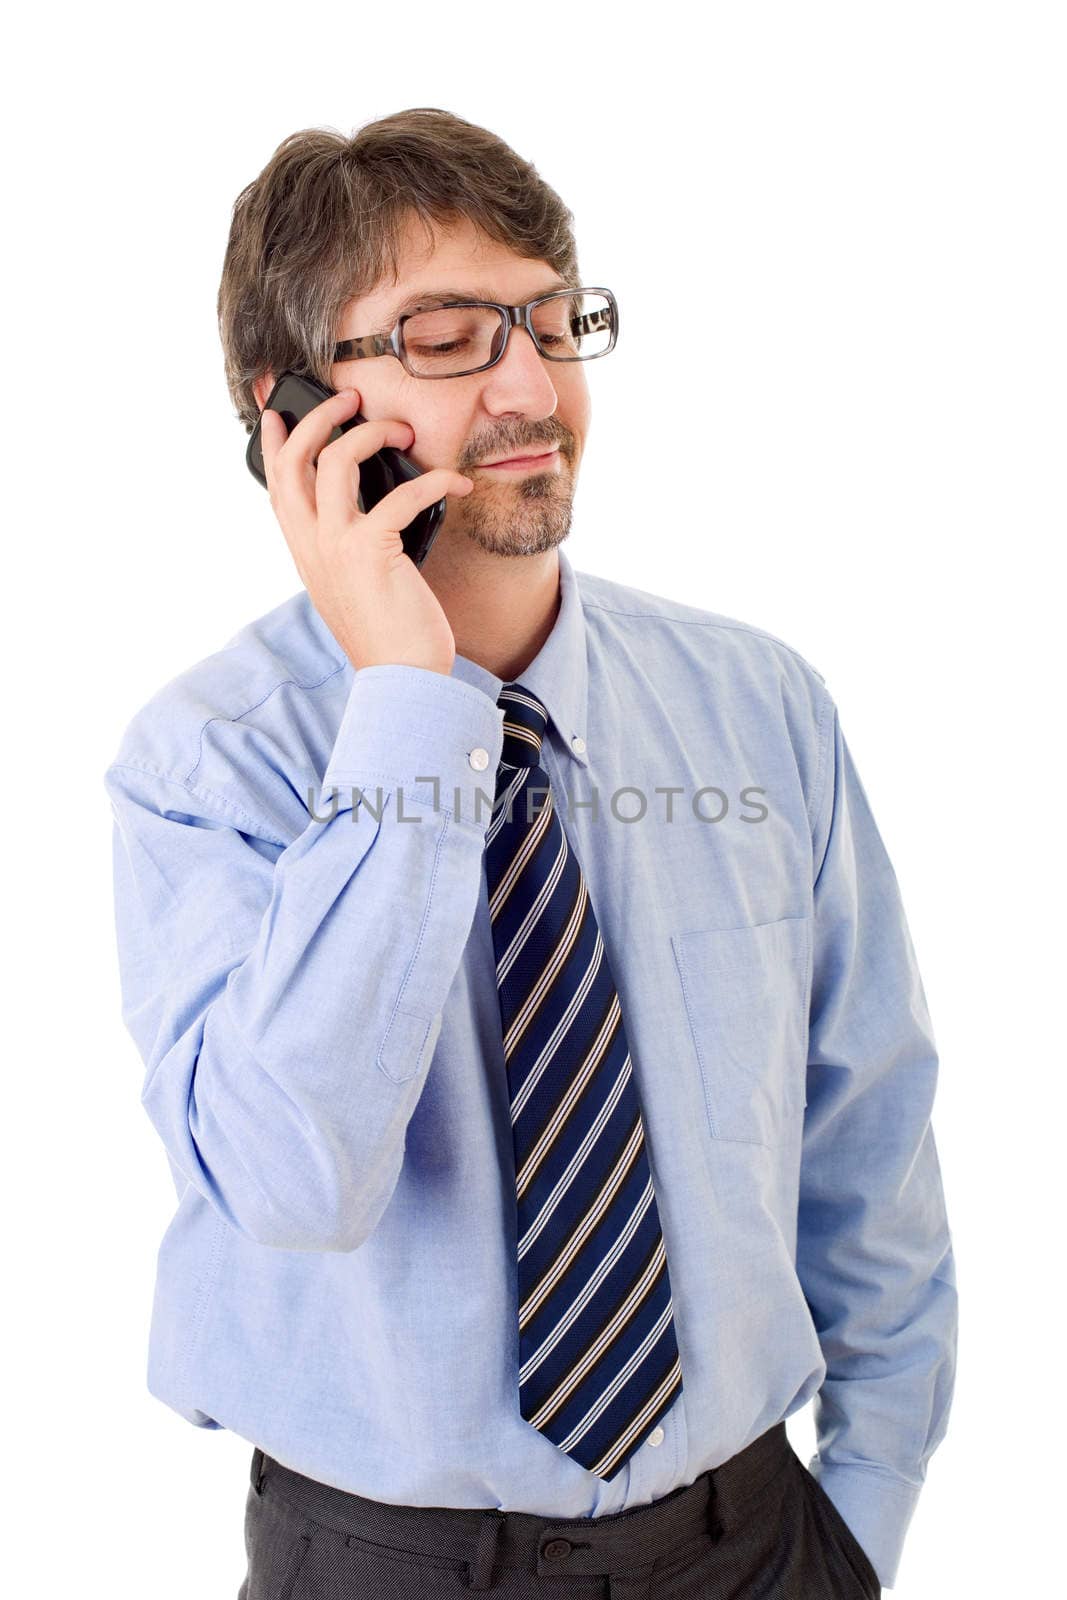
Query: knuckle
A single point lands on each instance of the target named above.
(336, 449)
(375, 428)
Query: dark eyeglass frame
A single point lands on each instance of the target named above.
(392, 341)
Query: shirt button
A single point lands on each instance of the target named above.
(578, 744)
(655, 1437)
(479, 759)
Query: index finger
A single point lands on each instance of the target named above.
(312, 431)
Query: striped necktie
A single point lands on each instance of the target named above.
(598, 1359)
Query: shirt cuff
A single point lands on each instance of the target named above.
(876, 1507)
(436, 739)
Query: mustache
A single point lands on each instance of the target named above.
(506, 448)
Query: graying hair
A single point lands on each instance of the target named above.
(323, 223)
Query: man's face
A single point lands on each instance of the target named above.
(523, 405)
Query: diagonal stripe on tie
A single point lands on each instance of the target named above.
(598, 1357)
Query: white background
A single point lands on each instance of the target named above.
(836, 410)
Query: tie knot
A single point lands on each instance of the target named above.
(525, 721)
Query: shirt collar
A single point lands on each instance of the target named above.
(558, 673)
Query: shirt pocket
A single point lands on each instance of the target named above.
(746, 997)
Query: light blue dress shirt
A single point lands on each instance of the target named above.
(307, 969)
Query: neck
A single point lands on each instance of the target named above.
(501, 608)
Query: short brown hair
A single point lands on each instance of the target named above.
(322, 224)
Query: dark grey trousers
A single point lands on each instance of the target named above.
(759, 1527)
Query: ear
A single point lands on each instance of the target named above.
(262, 387)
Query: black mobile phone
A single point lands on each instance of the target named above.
(297, 393)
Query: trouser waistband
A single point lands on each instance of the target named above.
(713, 1504)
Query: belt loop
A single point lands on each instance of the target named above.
(256, 1472)
(633, 1585)
(481, 1571)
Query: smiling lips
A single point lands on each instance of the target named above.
(523, 463)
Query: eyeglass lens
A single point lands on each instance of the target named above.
(451, 340)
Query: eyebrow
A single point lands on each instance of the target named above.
(426, 298)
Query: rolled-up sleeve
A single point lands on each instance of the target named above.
(874, 1250)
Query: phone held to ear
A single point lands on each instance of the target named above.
(293, 396)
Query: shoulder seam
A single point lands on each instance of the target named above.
(281, 684)
(706, 622)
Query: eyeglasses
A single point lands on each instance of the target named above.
(464, 336)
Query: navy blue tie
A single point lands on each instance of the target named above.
(598, 1358)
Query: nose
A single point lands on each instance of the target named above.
(521, 381)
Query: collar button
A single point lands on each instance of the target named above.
(578, 744)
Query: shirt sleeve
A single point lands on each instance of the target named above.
(874, 1252)
(286, 996)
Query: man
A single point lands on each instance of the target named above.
(528, 1008)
